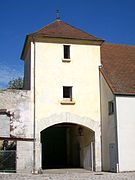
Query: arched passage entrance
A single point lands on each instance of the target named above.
(68, 145)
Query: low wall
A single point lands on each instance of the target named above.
(15, 109)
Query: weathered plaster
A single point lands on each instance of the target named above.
(17, 105)
(24, 156)
(4, 126)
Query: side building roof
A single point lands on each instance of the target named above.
(119, 67)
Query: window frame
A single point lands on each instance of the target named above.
(67, 96)
(66, 53)
(67, 93)
(111, 107)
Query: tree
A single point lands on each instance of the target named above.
(15, 83)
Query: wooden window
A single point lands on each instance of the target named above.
(66, 52)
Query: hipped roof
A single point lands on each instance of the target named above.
(64, 30)
(59, 29)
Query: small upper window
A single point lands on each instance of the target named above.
(110, 107)
(67, 92)
(66, 52)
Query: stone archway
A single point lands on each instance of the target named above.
(67, 117)
(68, 145)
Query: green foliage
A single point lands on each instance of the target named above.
(16, 83)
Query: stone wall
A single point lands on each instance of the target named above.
(15, 109)
(16, 124)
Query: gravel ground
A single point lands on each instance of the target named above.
(68, 175)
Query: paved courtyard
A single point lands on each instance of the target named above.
(79, 174)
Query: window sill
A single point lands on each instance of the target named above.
(65, 102)
(66, 60)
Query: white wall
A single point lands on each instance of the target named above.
(108, 123)
(52, 74)
(126, 132)
(81, 73)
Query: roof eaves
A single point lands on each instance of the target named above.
(124, 94)
(65, 37)
(25, 42)
(107, 81)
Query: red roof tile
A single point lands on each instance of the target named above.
(119, 67)
(64, 30)
(59, 29)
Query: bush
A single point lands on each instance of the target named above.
(16, 83)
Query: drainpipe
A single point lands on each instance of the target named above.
(116, 133)
(34, 110)
(100, 92)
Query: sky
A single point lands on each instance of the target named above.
(111, 20)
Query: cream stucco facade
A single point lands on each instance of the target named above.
(51, 74)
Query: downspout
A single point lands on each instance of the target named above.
(116, 124)
(34, 110)
(100, 91)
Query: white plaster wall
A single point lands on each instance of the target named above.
(126, 132)
(51, 74)
(108, 123)
(81, 73)
(24, 156)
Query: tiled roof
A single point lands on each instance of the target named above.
(60, 29)
(119, 67)
(64, 30)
